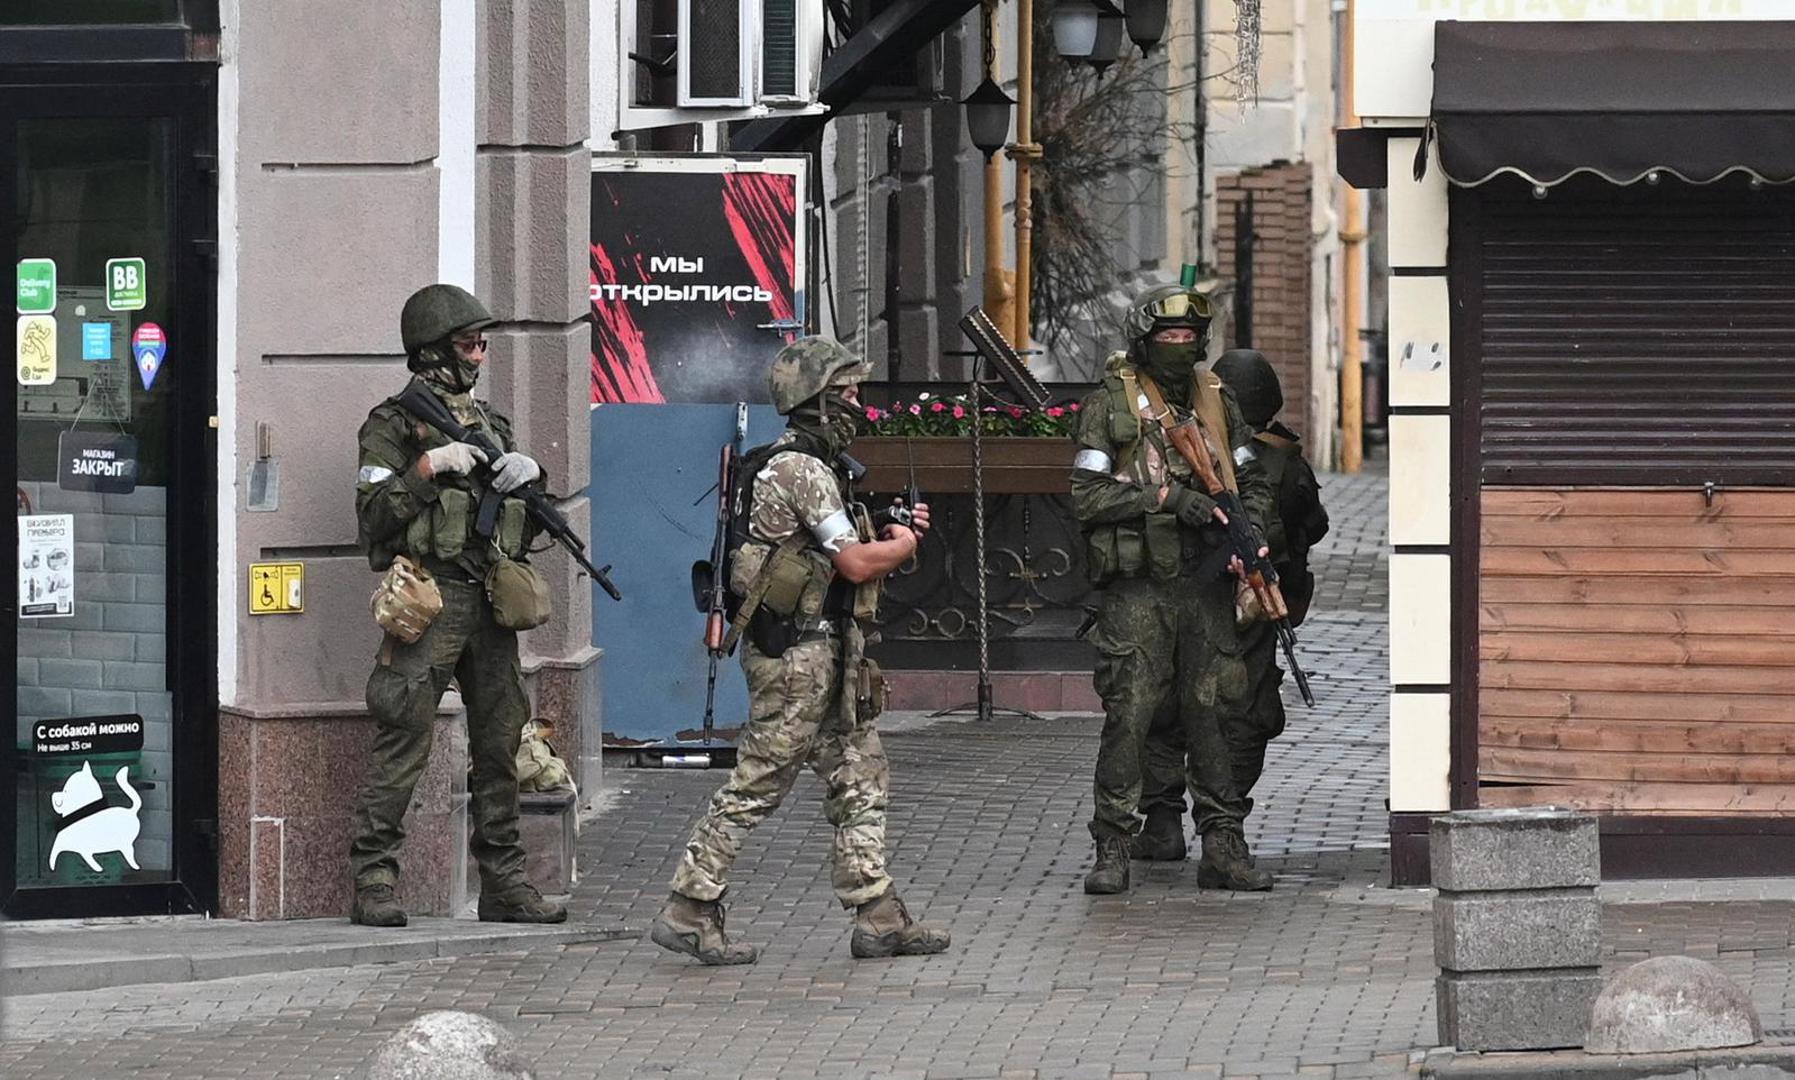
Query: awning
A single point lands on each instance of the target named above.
(1622, 100)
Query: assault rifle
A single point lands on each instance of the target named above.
(1244, 542)
(426, 406)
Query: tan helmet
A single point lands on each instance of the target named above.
(809, 366)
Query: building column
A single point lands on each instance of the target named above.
(532, 228)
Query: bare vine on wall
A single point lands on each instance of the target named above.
(1103, 141)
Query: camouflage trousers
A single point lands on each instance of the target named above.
(403, 693)
(1169, 644)
(799, 715)
(1248, 725)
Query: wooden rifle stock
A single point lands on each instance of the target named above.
(716, 625)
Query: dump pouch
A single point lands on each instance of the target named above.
(406, 601)
(518, 595)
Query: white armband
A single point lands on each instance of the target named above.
(1243, 454)
(1092, 461)
(836, 532)
(374, 474)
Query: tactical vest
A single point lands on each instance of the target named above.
(791, 583)
(444, 530)
(1155, 544)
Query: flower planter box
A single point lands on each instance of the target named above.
(1014, 465)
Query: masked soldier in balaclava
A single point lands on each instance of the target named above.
(1165, 628)
(806, 576)
(416, 499)
(1297, 521)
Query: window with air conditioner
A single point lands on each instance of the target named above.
(724, 54)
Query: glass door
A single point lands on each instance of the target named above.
(110, 396)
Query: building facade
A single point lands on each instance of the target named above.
(1588, 311)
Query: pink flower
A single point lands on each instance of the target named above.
(872, 414)
(937, 407)
(1073, 406)
(1015, 413)
(959, 413)
(1056, 412)
(915, 410)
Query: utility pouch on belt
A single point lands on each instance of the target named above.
(406, 601)
(869, 691)
(518, 595)
(787, 574)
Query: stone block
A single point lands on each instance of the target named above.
(914, 154)
(532, 226)
(917, 341)
(1508, 931)
(1516, 1010)
(531, 73)
(372, 100)
(916, 241)
(538, 377)
(1522, 848)
(353, 243)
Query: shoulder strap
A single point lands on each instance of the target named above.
(1275, 440)
(1205, 417)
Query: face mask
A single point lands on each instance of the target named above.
(1170, 363)
(447, 368)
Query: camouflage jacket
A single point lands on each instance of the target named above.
(792, 491)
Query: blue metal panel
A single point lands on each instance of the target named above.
(650, 465)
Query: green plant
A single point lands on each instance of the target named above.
(932, 414)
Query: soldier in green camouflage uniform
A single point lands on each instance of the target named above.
(1297, 521)
(1155, 544)
(807, 574)
(416, 495)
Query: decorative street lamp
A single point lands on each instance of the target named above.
(1111, 27)
(988, 117)
(1146, 23)
(1074, 29)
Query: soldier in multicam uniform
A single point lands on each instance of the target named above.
(1166, 624)
(1297, 522)
(416, 497)
(807, 574)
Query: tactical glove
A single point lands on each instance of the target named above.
(457, 457)
(513, 471)
(1192, 507)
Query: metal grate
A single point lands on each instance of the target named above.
(714, 49)
(779, 48)
(1635, 336)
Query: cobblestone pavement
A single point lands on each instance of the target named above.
(1329, 976)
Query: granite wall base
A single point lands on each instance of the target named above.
(287, 783)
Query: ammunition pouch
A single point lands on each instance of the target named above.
(869, 690)
(406, 601)
(518, 595)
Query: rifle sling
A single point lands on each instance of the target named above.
(1224, 464)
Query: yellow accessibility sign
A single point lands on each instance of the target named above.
(276, 588)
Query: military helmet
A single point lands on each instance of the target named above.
(1165, 306)
(435, 312)
(1255, 384)
(809, 366)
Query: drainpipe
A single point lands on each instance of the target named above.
(1352, 241)
(1024, 153)
(998, 285)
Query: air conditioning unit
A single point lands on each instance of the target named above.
(736, 53)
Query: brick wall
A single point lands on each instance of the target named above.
(109, 657)
(1282, 249)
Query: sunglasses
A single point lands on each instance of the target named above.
(471, 345)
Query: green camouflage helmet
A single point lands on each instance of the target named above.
(1165, 306)
(435, 312)
(1249, 374)
(810, 365)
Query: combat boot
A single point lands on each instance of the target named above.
(695, 927)
(1161, 839)
(1110, 875)
(521, 903)
(883, 927)
(375, 905)
(1227, 864)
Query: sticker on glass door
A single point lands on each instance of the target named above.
(46, 566)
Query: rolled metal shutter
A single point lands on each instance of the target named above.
(1638, 336)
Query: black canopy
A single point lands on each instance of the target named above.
(1622, 100)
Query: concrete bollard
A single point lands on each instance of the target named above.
(1517, 927)
(1672, 1003)
(450, 1045)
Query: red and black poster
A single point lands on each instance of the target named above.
(696, 276)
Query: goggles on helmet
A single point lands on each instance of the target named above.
(1179, 309)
